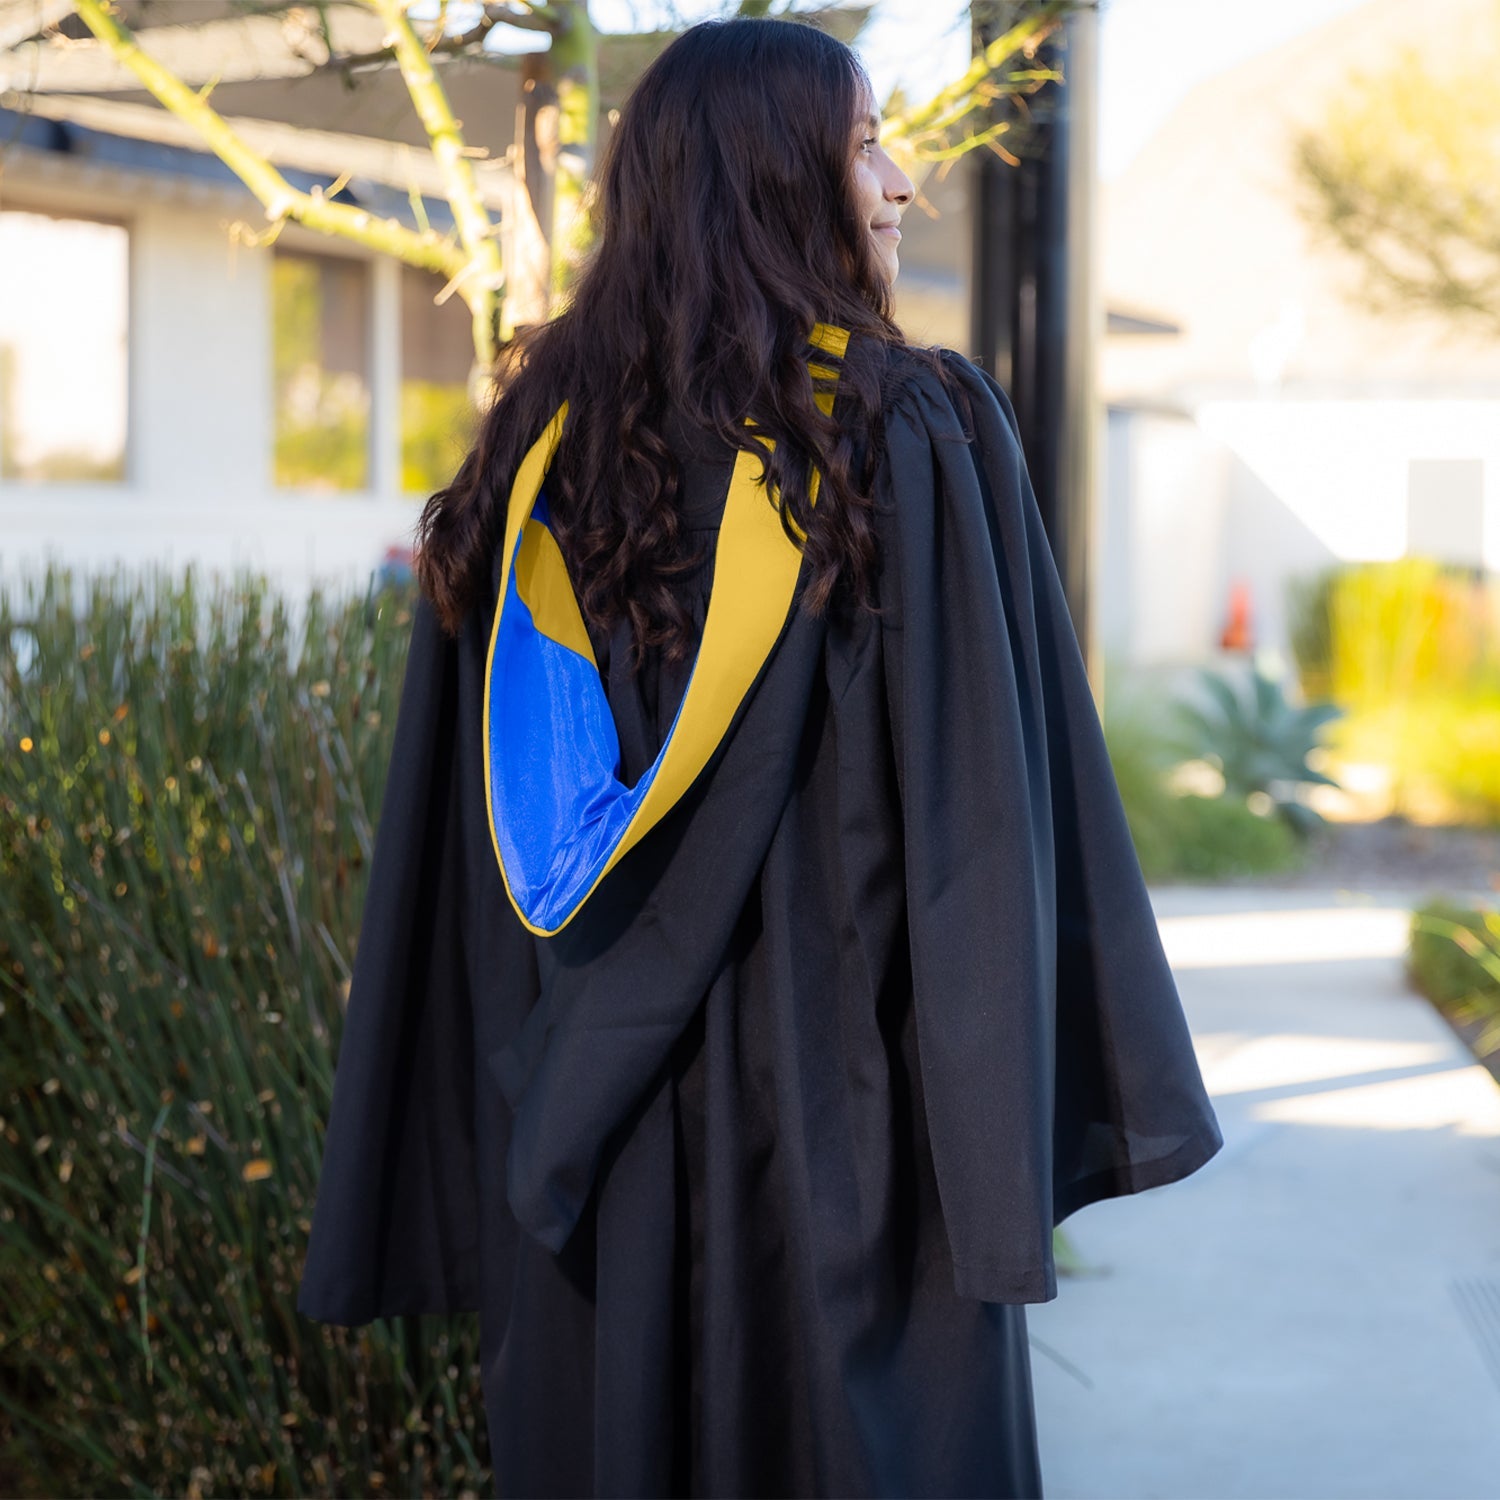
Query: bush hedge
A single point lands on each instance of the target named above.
(188, 789)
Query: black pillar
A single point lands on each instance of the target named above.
(1035, 316)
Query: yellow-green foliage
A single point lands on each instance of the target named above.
(1410, 629)
(1412, 650)
(1400, 172)
(188, 793)
(1444, 753)
(437, 427)
(328, 454)
(322, 416)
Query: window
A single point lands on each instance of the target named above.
(438, 425)
(64, 299)
(1445, 510)
(321, 368)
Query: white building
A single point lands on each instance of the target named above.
(1284, 427)
(172, 391)
(168, 392)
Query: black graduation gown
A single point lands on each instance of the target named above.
(751, 1169)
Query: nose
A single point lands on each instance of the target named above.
(899, 188)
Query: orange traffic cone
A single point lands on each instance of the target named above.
(1238, 634)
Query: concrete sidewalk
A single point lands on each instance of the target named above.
(1316, 1312)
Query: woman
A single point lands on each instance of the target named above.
(756, 966)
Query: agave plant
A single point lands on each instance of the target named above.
(1259, 741)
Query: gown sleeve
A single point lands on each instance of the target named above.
(1056, 1059)
(396, 1225)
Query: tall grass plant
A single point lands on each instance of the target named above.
(188, 792)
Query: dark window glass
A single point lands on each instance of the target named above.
(321, 364)
(437, 348)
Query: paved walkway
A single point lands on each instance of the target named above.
(1316, 1312)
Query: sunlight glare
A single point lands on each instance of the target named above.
(1237, 939)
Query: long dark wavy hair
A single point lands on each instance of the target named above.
(725, 227)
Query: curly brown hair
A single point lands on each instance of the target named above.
(724, 230)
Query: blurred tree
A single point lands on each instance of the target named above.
(1404, 173)
(556, 159)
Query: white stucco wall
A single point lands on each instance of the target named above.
(200, 428)
(1161, 569)
(1267, 489)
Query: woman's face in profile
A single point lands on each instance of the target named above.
(881, 189)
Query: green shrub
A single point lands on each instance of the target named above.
(1259, 742)
(1310, 630)
(188, 790)
(1219, 836)
(1179, 837)
(1453, 958)
(1141, 758)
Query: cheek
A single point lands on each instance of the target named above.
(867, 191)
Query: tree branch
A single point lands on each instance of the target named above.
(280, 199)
(575, 63)
(484, 271)
(522, 17)
(978, 85)
(1401, 176)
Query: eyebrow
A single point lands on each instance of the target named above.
(873, 121)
